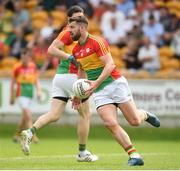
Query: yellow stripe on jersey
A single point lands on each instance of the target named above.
(90, 62)
(69, 48)
(26, 78)
(101, 43)
(62, 34)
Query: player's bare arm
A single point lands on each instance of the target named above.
(55, 49)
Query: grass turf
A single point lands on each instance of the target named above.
(58, 146)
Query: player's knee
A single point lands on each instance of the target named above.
(136, 121)
(54, 115)
(111, 125)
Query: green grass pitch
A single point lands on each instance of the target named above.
(58, 147)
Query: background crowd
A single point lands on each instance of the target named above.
(144, 35)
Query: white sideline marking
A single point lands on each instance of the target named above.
(73, 156)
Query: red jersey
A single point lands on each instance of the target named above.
(25, 78)
(88, 55)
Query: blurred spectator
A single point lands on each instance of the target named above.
(5, 19)
(40, 51)
(109, 16)
(50, 63)
(126, 6)
(99, 10)
(174, 24)
(33, 41)
(47, 31)
(149, 56)
(167, 39)
(40, 55)
(95, 3)
(49, 5)
(176, 43)
(142, 5)
(9, 5)
(114, 34)
(154, 31)
(171, 23)
(70, 3)
(112, 12)
(131, 21)
(21, 17)
(131, 56)
(88, 8)
(151, 11)
(165, 18)
(17, 43)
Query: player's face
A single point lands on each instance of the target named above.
(74, 30)
(25, 58)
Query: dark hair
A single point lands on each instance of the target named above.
(79, 19)
(74, 9)
(26, 51)
(151, 17)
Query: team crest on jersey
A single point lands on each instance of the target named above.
(87, 50)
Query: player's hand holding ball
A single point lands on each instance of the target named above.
(93, 86)
(81, 88)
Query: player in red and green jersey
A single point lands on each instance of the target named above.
(26, 78)
(62, 91)
(110, 89)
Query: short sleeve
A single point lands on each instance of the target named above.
(65, 37)
(101, 47)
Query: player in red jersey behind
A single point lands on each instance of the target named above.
(26, 78)
(62, 91)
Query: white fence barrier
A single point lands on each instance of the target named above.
(159, 96)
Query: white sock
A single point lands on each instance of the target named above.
(135, 155)
(145, 114)
(83, 153)
(30, 134)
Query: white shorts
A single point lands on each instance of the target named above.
(115, 93)
(24, 102)
(62, 85)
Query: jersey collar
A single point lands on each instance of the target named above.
(82, 43)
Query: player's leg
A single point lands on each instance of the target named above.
(27, 117)
(137, 116)
(108, 113)
(126, 103)
(83, 132)
(26, 120)
(56, 110)
(21, 126)
(134, 116)
(84, 122)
